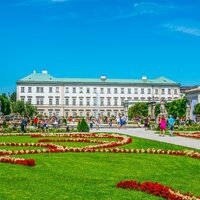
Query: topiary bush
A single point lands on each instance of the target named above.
(83, 126)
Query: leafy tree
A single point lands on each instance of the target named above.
(177, 108)
(83, 127)
(23, 108)
(13, 97)
(157, 110)
(197, 110)
(5, 104)
(19, 107)
(30, 109)
(138, 110)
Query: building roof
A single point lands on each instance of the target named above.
(44, 77)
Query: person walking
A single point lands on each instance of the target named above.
(162, 126)
(171, 122)
(23, 125)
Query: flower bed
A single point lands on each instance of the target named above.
(19, 161)
(191, 135)
(101, 146)
(156, 189)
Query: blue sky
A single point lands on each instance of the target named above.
(88, 38)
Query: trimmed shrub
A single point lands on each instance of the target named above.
(83, 126)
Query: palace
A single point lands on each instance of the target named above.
(92, 97)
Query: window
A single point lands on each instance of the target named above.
(142, 98)
(57, 101)
(81, 113)
(74, 101)
(67, 101)
(57, 89)
(22, 90)
(108, 90)
(169, 91)
(115, 101)
(22, 99)
(50, 114)
(74, 90)
(39, 89)
(163, 91)
(156, 91)
(149, 90)
(95, 90)
(102, 90)
(108, 101)
(129, 90)
(135, 90)
(142, 90)
(81, 101)
(66, 90)
(122, 101)
(39, 100)
(50, 89)
(122, 90)
(135, 98)
(94, 101)
(129, 98)
(50, 101)
(88, 90)
(81, 90)
(29, 100)
(102, 101)
(175, 91)
(29, 89)
(115, 90)
(88, 101)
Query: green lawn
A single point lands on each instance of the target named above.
(94, 175)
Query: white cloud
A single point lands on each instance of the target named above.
(40, 2)
(183, 29)
(146, 8)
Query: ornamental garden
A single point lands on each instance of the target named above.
(95, 166)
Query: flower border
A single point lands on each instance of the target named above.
(156, 189)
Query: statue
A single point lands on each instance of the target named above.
(163, 110)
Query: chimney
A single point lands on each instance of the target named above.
(44, 72)
(144, 78)
(103, 78)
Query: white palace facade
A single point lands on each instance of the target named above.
(91, 97)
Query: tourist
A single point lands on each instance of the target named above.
(146, 123)
(35, 121)
(110, 123)
(91, 123)
(23, 125)
(171, 122)
(97, 124)
(162, 126)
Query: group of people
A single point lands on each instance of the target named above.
(163, 123)
(121, 122)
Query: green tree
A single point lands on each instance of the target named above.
(197, 110)
(13, 97)
(30, 109)
(5, 104)
(22, 108)
(177, 108)
(138, 110)
(19, 107)
(157, 110)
